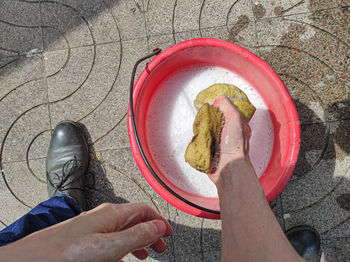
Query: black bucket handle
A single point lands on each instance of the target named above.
(132, 115)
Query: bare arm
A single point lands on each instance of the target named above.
(250, 231)
(105, 233)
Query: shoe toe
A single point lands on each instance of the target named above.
(66, 133)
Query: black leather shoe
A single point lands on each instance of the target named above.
(67, 162)
(306, 241)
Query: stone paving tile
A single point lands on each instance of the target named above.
(22, 134)
(102, 25)
(14, 209)
(344, 2)
(19, 28)
(17, 71)
(168, 255)
(179, 37)
(114, 105)
(161, 41)
(121, 170)
(193, 256)
(6, 61)
(336, 250)
(39, 144)
(341, 230)
(300, 32)
(242, 34)
(186, 15)
(211, 235)
(114, 139)
(69, 24)
(212, 256)
(334, 22)
(62, 21)
(317, 68)
(65, 79)
(130, 18)
(314, 142)
(264, 9)
(20, 12)
(316, 216)
(25, 185)
(16, 118)
(310, 106)
(187, 232)
(226, 13)
(83, 96)
(20, 90)
(325, 187)
(159, 17)
(324, 176)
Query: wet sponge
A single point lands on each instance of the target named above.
(207, 130)
(238, 97)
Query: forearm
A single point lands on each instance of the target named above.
(250, 230)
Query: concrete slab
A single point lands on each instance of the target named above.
(266, 9)
(130, 18)
(20, 28)
(288, 50)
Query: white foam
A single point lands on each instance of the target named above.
(169, 126)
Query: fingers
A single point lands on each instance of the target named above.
(227, 107)
(248, 133)
(135, 238)
(109, 217)
(140, 254)
(140, 212)
(159, 246)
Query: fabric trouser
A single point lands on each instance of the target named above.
(50, 212)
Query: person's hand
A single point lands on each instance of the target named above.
(234, 142)
(106, 233)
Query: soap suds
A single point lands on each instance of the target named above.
(169, 126)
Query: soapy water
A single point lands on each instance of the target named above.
(169, 126)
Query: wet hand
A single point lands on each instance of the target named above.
(105, 233)
(234, 142)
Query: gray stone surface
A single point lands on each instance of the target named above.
(224, 13)
(78, 89)
(182, 36)
(130, 18)
(15, 208)
(63, 21)
(289, 7)
(186, 15)
(19, 28)
(187, 232)
(73, 60)
(159, 16)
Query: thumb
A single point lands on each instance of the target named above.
(137, 237)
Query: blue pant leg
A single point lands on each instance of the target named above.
(47, 213)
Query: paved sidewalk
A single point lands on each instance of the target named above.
(72, 59)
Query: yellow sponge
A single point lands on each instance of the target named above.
(238, 97)
(206, 129)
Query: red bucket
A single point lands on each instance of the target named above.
(227, 55)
